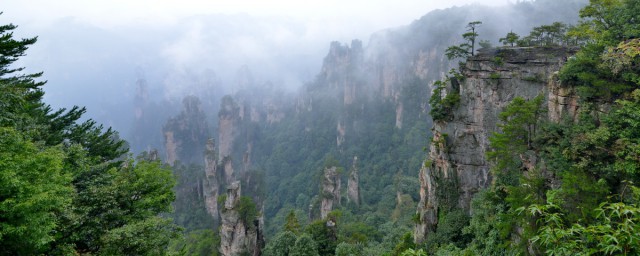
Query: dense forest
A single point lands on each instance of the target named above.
(380, 154)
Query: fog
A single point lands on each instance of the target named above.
(93, 53)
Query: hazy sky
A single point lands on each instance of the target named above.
(108, 13)
(91, 51)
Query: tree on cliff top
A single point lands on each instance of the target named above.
(466, 49)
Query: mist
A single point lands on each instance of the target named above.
(93, 54)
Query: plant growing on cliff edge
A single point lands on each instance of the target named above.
(247, 210)
(442, 107)
(510, 39)
(466, 49)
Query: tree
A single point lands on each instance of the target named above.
(468, 48)
(304, 246)
(471, 35)
(324, 236)
(510, 39)
(34, 189)
(67, 187)
(150, 236)
(247, 210)
(292, 223)
(614, 230)
(520, 120)
(21, 94)
(346, 249)
(281, 244)
(121, 200)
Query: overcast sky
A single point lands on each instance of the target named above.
(92, 51)
(109, 13)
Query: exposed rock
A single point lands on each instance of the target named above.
(330, 191)
(185, 134)
(171, 147)
(353, 189)
(210, 184)
(456, 160)
(227, 121)
(236, 236)
(342, 132)
(153, 155)
(229, 174)
(399, 109)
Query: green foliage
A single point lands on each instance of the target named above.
(150, 236)
(324, 236)
(111, 199)
(282, 244)
(467, 49)
(189, 208)
(34, 189)
(489, 225)
(520, 120)
(614, 230)
(534, 79)
(449, 231)
(405, 244)
(247, 210)
(442, 107)
(292, 224)
(412, 252)
(606, 67)
(197, 242)
(67, 187)
(498, 61)
(547, 35)
(305, 246)
(495, 76)
(510, 39)
(346, 249)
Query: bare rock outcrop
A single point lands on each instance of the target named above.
(330, 191)
(353, 187)
(456, 162)
(211, 184)
(185, 134)
(237, 237)
(227, 123)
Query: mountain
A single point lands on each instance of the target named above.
(370, 102)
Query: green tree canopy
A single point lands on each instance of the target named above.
(34, 190)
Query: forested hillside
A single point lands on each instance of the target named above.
(474, 130)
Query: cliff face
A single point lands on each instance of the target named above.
(353, 186)
(228, 118)
(330, 191)
(456, 163)
(236, 236)
(185, 133)
(211, 184)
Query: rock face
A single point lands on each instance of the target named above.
(211, 186)
(186, 133)
(330, 191)
(236, 236)
(353, 189)
(227, 121)
(456, 160)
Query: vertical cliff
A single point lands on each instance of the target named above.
(211, 186)
(330, 191)
(456, 167)
(228, 118)
(353, 186)
(238, 235)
